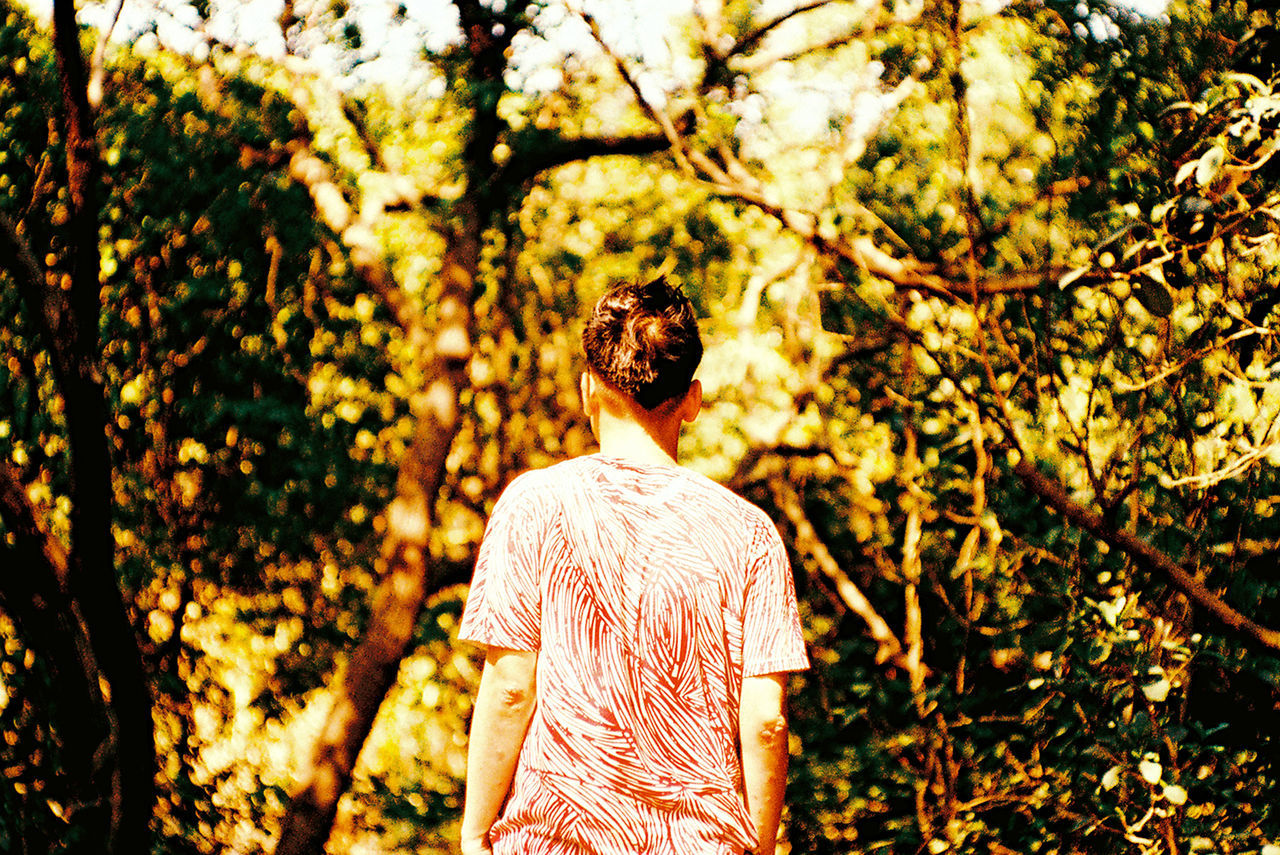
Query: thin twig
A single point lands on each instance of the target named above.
(98, 64)
(1170, 370)
(1234, 469)
(751, 39)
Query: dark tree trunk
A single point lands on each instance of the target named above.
(129, 761)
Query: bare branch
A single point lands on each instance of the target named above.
(678, 147)
(1144, 554)
(1234, 469)
(913, 619)
(563, 150)
(129, 761)
(83, 168)
(807, 540)
(733, 181)
(969, 546)
(862, 252)
(986, 235)
(753, 38)
(351, 223)
(758, 62)
(98, 64)
(1169, 370)
(446, 347)
(364, 251)
(37, 599)
(403, 589)
(351, 110)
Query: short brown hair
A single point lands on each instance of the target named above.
(643, 341)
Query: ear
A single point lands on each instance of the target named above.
(590, 400)
(692, 403)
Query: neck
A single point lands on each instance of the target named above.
(628, 439)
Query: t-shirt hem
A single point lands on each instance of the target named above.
(505, 643)
(776, 666)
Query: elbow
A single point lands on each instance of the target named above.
(762, 716)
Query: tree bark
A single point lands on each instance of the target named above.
(129, 761)
(374, 664)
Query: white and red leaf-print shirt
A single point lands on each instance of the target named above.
(649, 593)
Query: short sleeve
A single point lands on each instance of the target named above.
(772, 640)
(504, 606)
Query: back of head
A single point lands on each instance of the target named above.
(643, 341)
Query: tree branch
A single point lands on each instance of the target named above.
(401, 593)
(353, 113)
(36, 598)
(862, 252)
(659, 117)
(83, 168)
(1144, 554)
(558, 151)
(129, 763)
(861, 31)
(753, 38)
(98, 64)
(807, 540)
(374, 663)
(364, 251)
(733, 181)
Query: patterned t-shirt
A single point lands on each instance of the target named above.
(649, 592)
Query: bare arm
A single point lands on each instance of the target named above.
(504, 705)
(762, 728)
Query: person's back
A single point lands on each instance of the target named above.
(646, 599)
(642, 576)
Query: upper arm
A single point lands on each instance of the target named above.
(763, 707)
(512, 675)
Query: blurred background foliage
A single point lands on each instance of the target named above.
(989, 293)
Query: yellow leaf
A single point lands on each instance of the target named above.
(1157, 691)
(1111, 778)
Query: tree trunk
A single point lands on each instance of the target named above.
(398, 601)
(129, 765)
(399, 598)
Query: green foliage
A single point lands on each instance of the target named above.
(1048, 692)
(1074, 701)
(242, 368)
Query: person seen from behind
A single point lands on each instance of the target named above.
(639, 622)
